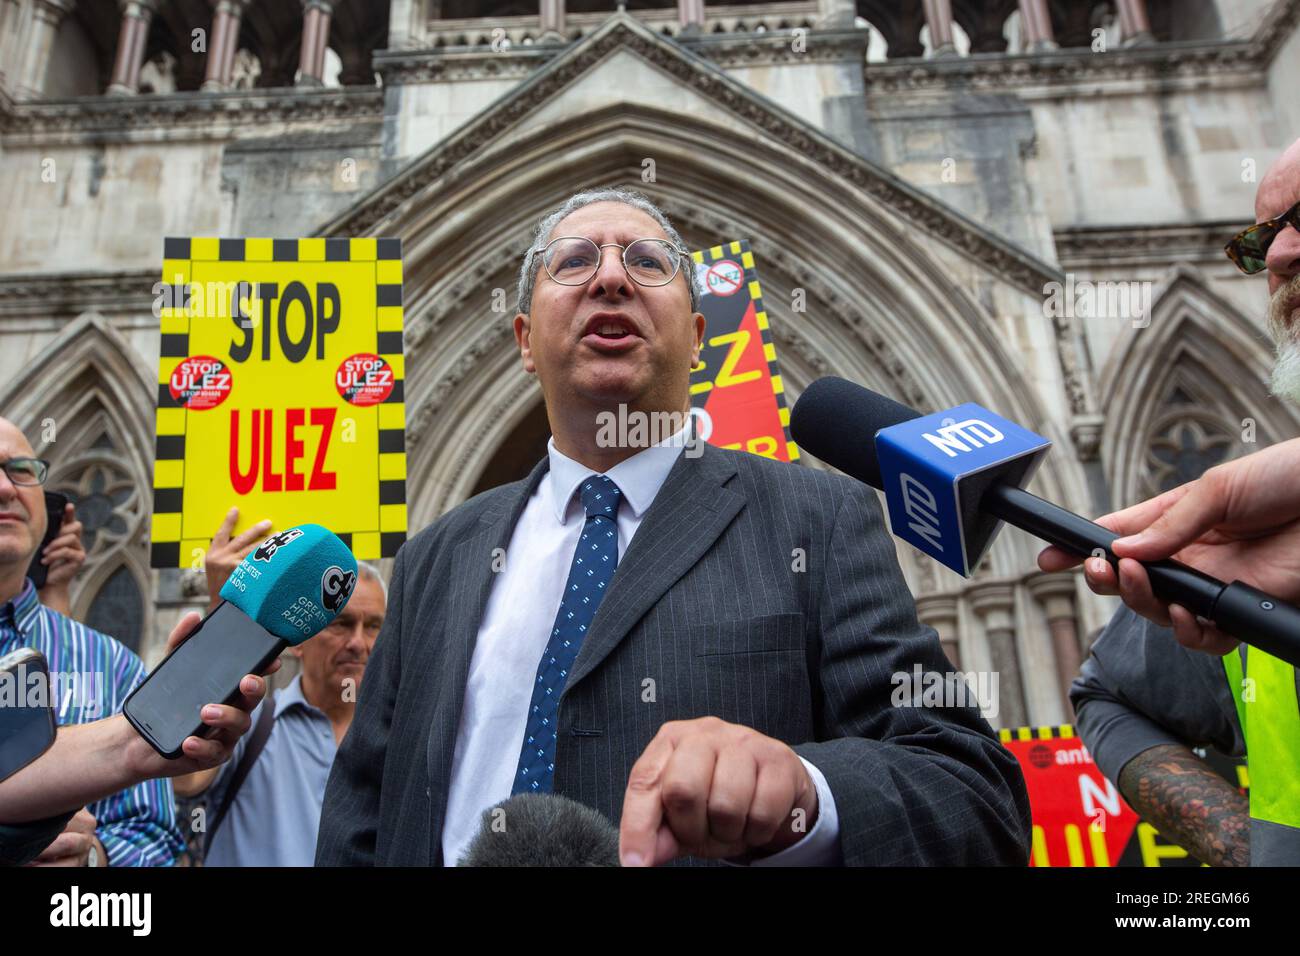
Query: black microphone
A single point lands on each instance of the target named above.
(838, 421)
(543, 829)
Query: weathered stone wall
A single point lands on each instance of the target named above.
(926, 273)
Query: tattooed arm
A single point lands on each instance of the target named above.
(1189, 803)
(1140, 700)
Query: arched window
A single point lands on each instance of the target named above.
(1074, 20)
(984, 22)
(899, 24)
(112, 510)
(81, 59)
(1186, 438)
(118, 609)
(86, 403)
(1186, 392)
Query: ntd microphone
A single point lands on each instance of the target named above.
(289, 588)
(934, 470)
(951, 478)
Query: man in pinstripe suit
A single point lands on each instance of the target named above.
(730, 697)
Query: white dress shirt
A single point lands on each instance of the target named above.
(517, 621)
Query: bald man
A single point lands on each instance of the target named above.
(136, 827)
(1148, 693)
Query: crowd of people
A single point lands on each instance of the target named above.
(287, 779)
(250, 795)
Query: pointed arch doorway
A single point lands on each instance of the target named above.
(515, 457)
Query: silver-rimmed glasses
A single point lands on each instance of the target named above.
(573, 260)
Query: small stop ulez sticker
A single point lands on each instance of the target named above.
(200, 382)
(364, 379)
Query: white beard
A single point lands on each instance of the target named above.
(1285, 382)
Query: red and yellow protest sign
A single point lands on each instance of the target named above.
(280, 392)
(1079, 817)
(737, 392)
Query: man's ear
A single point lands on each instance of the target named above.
(523, 328)
(700, 323)
(296, 651)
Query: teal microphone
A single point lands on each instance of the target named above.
(295, 582)
(288, 589)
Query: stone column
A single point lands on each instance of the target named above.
(406, 22)
(223, 44)
(553, 19)
(315, 38)
(33, 50)
(1056, 594)
(1036, 26)
(1134, 27)
(131, 39)
(836, 14)
(938, 15)
(939, 611)
(16, 46)
(690, 13)
(995, 602)
(10, 22)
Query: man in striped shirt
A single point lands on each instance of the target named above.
(91, 675)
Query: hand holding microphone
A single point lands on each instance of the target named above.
(1239, 520)
(950, 478)
(287, 590)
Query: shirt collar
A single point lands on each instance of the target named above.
(23, 608)
(292, 696)
(639, 477)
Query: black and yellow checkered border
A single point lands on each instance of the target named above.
(169, 549)
(1061, 731)
(739, 248)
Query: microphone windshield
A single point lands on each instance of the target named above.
(543, 829)
(295, 582)
(837, 421)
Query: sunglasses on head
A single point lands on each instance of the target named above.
(1249, 248)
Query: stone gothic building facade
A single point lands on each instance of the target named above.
(1020, 203)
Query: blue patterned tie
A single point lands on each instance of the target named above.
(593, 566)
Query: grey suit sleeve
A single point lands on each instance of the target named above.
(912, 785)
(349, 820)
(1140, 688)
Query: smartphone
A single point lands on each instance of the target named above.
(54, 505)
(227, 644)
(27, 726)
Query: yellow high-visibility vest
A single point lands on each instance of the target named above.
(1265, 696)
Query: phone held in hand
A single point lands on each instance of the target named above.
(55, 504)
(27, 725)
(224, 647)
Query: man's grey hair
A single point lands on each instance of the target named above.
(367, 570)
(630, 197)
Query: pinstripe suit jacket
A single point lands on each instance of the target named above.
(712, 601)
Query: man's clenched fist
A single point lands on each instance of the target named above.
(712, 789)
